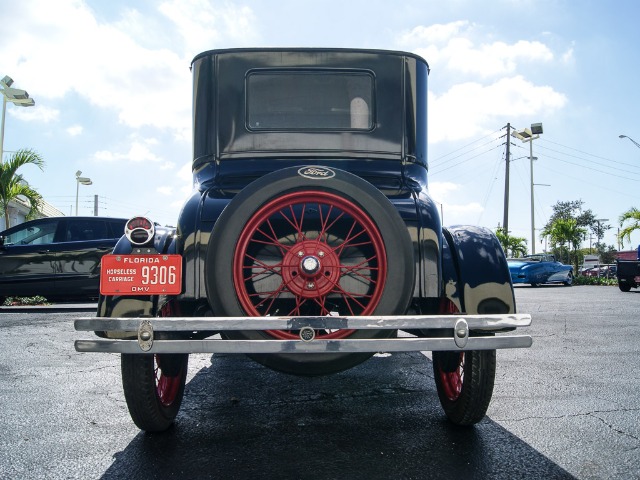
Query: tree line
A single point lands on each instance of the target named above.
(568, 227)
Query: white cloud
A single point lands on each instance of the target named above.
(74, 130)
(166, 190)
(485, 81)
(436, 34)
(101, 62)
(37, 113)
(448, 196)
(453, 46)
(466, 109)
(204, 25)
(138, 152)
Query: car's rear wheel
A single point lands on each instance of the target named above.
(464, 381)
(154, 385)
(624, 287)
(153, 388)
(295, 245)
(569, 280)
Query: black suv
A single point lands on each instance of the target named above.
(56, 257)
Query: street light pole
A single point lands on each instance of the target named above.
(83, 181)
(634, 142)
(15, 96)
(529, 135)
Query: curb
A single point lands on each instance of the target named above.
(53, 308)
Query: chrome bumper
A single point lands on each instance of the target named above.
(467, 334)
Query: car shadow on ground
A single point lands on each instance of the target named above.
(381, 419)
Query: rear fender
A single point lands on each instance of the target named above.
(164, 241)
(475, 271)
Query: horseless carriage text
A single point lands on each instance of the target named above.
(310, 241)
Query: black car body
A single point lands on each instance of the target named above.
(310, 238)
(56, 257)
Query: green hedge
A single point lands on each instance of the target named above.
(583, 280)
(25, 301)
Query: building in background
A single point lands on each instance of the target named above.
(18, 211)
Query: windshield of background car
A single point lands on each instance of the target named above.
(33, 234)
(310, 100)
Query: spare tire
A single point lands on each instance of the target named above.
(309, 241)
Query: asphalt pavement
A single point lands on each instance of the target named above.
(566, 408)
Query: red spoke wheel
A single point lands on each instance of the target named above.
(289, 245)
(310, 253)
(464, 381)
(153, 387)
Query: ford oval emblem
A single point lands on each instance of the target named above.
(316, 173)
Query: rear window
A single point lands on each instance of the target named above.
(310, 100)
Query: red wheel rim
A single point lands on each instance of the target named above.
(309, 253)
(452, 381)
(167, 388)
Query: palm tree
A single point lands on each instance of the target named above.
(516, 246)
(13, 184)
(632, 214)
(566, 231)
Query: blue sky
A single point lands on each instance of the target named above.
(112, 87)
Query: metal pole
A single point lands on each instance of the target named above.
(533, 231)
(4, 109)
(505, 220)
(77, 192)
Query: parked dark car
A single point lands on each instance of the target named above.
(628, 273)
(603, 271)
(56, 257)
(309, 240)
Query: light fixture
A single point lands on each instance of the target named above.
(631, 139)
(15, 96)
(529, 135)
(83, 181)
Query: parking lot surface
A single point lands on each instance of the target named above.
(566, 408)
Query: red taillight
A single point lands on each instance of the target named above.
(139, 230)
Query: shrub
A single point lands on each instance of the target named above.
(37, 300)
(584, 280)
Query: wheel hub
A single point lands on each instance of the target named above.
(311, 269)
(310, 265)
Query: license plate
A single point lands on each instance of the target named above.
(141, 275)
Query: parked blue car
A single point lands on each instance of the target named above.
(539, 268)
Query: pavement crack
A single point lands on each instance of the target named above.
(611, 427)
(593, 414)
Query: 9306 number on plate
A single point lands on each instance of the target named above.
(141, 275)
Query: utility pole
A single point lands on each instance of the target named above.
(95, 205)
(505, 219)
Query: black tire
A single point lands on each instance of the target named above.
(464, 381)
(300, 211)
(569, 281)
(624, 287)
(153, 388)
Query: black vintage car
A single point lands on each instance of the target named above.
(56, 257)
(310, 240)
